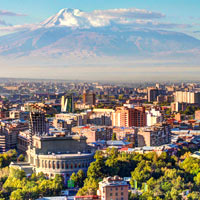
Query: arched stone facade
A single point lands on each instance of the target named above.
(62, 164)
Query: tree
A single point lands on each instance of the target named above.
(17, 195)
(74, 178)
(90, 187)
(96, 170)
(21, 158)
(80, 178)
(142, 173)
(191, 165)
(193, 196)
(114, 137)
(197, 179)
(7, 158)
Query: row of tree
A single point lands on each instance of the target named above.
(7, 157)
(166, 176)
(17, 186)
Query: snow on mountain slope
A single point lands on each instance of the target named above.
(72, 31)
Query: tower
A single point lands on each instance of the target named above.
(89, 98)
(37, 125)
(67, 104)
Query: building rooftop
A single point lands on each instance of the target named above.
(113, 181)
(64, 155)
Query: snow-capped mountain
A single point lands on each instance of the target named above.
(66, 17)
(77, 33)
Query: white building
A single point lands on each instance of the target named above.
(153, 117)
(187, 97)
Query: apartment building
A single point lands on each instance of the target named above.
(114, 188)
(129, 116)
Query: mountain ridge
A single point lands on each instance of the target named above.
(70, 31)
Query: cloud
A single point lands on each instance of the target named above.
(126, 18)
(152, 24)
(9, 13)
(127, 13)
(100, 18)
(15, 28)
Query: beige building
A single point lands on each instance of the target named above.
(125, 132)
(129, 116)
(113, 188)
(9, 133)
(94, 133)
(154, 136)
(59, 155)
(197, 114)
(187, 97)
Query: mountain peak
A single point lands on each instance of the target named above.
(69, 10)
(76, 18)
(66, 17)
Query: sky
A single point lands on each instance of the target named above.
(175, 11)
(177, 15)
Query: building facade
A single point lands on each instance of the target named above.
(94, 133)
(154, 136)
(89, 98)
(59, 155)
(153, 117)
(9, 133)
(113, 188)
(67, 104)
(187, 97)
(128, 117)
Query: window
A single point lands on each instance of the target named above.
(116, 188)
(122, 193)
(58, 165)
(110, 194)
(54, 166)
(62, 165)
(116, 194)
(122, 188)
(49, 164)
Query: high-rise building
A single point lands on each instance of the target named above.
(187, 97)
(67, 104)
(153, 93)
(38, 125)
(129, 116)
(89, 98)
